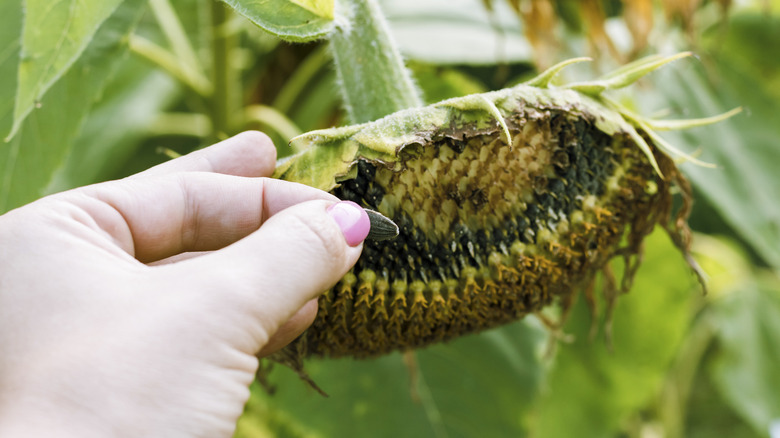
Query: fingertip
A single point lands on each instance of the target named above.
(252, 142)
(250, 153)
(352, 220)
(295, 256)
(316, 227)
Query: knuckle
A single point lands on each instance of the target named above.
(203, 162)
(190, 213)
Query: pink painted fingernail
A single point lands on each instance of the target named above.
(352, 220)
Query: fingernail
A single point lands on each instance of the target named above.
(352, 220)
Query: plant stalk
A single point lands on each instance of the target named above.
(673, 401)
(273, 119)
(180, 124)
(174, 32)
(169, 63)
(224, 100)
(374, 81)
(300, 78)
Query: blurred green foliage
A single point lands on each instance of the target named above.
(679, 363)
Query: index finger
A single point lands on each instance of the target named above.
(249, 153)
(155, 218)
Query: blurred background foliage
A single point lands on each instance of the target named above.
(163, 78)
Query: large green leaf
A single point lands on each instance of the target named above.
(476, 386)
(45, 137)
(591, 391)
(739, 72)
(291, 20)
(457, 31)
(132, 101)
(10, 43)
(55, 33)
(746, 369)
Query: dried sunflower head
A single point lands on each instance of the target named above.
(506, 201)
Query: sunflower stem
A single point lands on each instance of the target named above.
(373, 79)
(225, 100)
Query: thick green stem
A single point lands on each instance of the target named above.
(224, 101)
(373, 78)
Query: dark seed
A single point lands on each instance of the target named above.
(382, 228)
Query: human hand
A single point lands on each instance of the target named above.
(137, 307)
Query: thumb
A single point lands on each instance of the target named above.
(295, 256)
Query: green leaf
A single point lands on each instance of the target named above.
(738, 74)
(476, 386)
(44, 139)
(487, 384)
(132, 101)
(743, 190)
(457, 32)
(291, 20)
(746, 369)
(591, 391)
(322, 8)
(55, 34)
(10, 44)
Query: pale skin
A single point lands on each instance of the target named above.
(138, 307)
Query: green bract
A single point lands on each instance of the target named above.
(329, 154)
